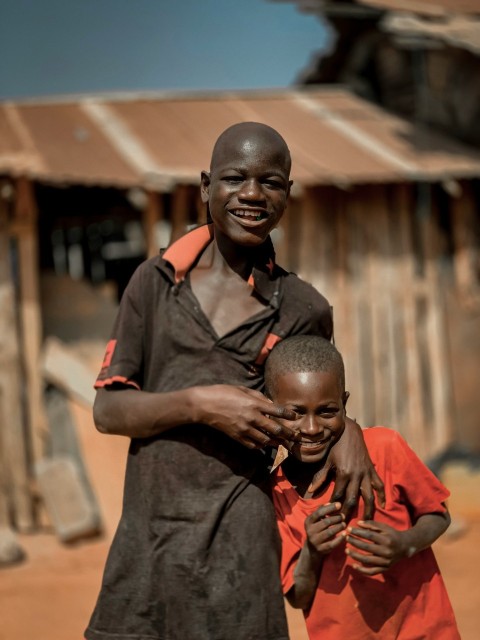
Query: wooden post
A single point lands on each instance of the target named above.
(437, 338)
(464, 230)
(378, 296)
(153, 214)
(200, 207)
(15, 479)
(409, 406)
(180, 211)
(26, 216)
(358, 260)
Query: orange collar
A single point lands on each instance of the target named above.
(183, 253)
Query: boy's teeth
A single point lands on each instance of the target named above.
(250, 215)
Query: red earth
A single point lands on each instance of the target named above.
(51, 594)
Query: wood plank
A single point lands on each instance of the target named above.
(62, 367)
(378, 294)
(308, 235)
(180, 211)
(153, 215)
(30, 314)
(465, 228)
(409, 405)
(16, 489)
(72, 513)
(437, 338)
(292, 223)
(361, 315)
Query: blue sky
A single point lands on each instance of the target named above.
(51, 47)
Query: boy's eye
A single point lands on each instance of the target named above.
(300, 412)
(328, 413)
(273, 184)
(233, 179)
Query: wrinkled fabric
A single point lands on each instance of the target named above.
(407, 602)
(196, 553)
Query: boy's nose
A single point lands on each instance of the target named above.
(251, 190)
(312, 426)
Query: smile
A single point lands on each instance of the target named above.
(250, 215)
(308, 444)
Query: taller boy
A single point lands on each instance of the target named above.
(196, 553)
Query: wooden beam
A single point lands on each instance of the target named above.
(30, 313)
(152, 216)
(180, 211)
(15, 478)
(409, 407)
(440, 370)
(464, 231)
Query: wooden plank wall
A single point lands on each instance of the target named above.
(375, 255)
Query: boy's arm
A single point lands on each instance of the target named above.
(376, 546)
(243, 414)
(354, 472)
(322, 528)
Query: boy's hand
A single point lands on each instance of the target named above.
(322, 527)
(382, 546)
(354, 473)
(243, 414)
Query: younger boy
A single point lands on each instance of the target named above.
(372, 579)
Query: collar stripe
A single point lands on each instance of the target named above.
(183, 253)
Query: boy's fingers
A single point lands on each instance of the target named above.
(351, 497)
(325, 510)
(372, 525)
(379, 488)
(319, 478)
(277, 411)
(369, 571)
(339, 489)
(366, 491)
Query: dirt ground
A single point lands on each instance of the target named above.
(51, 594)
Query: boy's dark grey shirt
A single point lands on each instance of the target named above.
(196, 553)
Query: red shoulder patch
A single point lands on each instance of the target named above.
(270, 341)
(109, 351)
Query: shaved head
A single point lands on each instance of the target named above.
(251, 137)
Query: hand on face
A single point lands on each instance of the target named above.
(318, 400)
(243, 414)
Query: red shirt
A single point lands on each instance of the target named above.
(409, 601)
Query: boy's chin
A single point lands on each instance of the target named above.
(309, 458)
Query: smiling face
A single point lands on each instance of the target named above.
(318, 398)
(248, 183)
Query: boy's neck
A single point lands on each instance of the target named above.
(301, 474)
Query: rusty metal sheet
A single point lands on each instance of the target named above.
(71, 148)
(166, 139)
(426, 7)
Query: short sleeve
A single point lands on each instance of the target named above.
(416, 486)
(123, 360)
(308, 309)
(291, 526)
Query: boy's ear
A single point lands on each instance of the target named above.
(290, 182)
(345, 397)
(205, 185)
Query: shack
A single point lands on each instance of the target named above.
(383, 220)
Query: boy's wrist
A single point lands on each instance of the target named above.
(409, 543)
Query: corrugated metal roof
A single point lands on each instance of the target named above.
(163, 139)
(421, 7)
(426, 7)
(458, 31)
